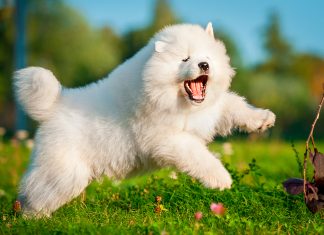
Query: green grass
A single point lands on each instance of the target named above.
(256, 204)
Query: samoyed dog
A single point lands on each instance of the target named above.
(159, 108)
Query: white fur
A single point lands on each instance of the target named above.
(139, 118)
(38, 93)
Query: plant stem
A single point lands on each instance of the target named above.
(311, 137)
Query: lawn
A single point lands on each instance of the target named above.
(256, 204)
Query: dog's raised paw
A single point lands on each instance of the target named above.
(260, 121)
(268, 121)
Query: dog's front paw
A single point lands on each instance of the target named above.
(219, 179)
(261, 121)
(268, 120)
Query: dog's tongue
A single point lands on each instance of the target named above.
(196, 89)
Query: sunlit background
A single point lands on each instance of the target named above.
(276, 47)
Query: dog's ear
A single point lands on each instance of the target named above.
(160, 46)
(209, 29)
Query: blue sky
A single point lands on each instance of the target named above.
(302, 21)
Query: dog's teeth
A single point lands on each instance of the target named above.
(187, 85)
(196, 86)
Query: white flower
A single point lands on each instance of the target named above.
(173, 175)
(227, 149)
(2, 193)
(22, 134)
(30, 143)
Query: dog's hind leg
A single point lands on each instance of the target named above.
(188, 154)
(52, 182)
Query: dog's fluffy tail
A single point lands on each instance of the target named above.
(37, 90)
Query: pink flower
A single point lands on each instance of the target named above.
(217, 208)
(198, 215)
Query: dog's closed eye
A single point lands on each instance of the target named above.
(185, 60)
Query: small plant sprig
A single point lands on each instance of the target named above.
(313, 190)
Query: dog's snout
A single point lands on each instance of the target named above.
(204, 66)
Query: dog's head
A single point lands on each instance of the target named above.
(189, 67)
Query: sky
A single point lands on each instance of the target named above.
(302, 21)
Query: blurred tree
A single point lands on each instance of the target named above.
(6, 63)
(6, 52)
(283, 60)
(278, 83)
(288, 97)
(311, 69)
(20, 56)
(58, 38)
(279, 51)
(136, 39)
(163, 15)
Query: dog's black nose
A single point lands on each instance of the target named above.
(203, 66)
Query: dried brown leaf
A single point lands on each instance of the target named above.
(315, 205)
(318, 162)
(294, 186)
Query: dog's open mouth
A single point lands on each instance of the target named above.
(196, 89)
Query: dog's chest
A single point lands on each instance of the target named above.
(202, 124)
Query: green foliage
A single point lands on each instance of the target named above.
(284, 82)
(6, 54)
(298, 160)
(60, 39)
(256, 204)
(277, 47)
(288, 97)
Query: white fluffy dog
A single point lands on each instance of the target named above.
(159, 108)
